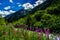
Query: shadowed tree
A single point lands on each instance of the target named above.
(28, 20)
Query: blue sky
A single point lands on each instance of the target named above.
(13, 4)
(10, 6)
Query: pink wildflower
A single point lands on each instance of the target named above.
(6, 33)
(47, 32)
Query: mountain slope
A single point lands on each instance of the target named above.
(48, 17)
(16, 16)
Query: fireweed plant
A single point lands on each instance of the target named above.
(11, 33)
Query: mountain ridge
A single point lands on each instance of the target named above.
(39, 7)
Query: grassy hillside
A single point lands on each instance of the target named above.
(49, 17)
(43, 23)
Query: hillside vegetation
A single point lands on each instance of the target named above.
(41, 24)
(48, 17)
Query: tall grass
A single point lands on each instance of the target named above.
(11, 33)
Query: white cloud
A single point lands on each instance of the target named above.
(11, 11)
(5, 13)
(39, 2)
(27, 6)
(11, 1)
(19, 4)
(7, 8)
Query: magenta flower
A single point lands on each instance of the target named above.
(40, 34)
(31, 28)
(6, 33)
(47, 31)
(37, 30)
(40, 30)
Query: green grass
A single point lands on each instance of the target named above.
(10, 33)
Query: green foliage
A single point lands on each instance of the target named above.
(2, 21)
(28, 20)
(38, 15)
(10, 33)
(45, 18)
(38, 24)
(49, 17)
(54, 10)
